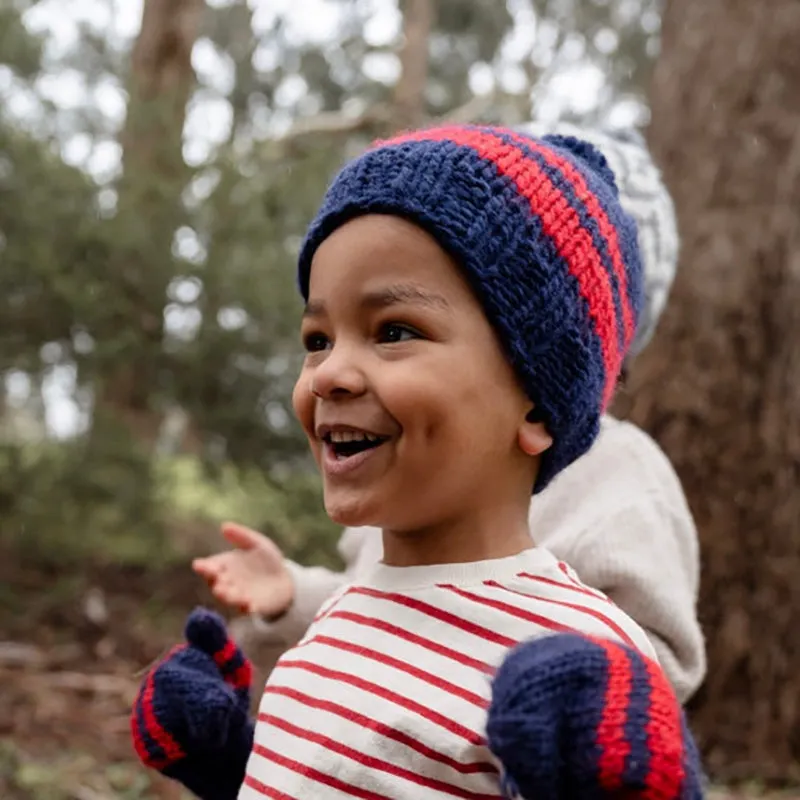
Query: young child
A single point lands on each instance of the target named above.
(631, 535)
(470, 297)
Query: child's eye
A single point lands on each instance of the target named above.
(314, 342)
(395, 332)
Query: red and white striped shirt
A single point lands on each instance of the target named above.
(387, 693)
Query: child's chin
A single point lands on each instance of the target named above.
(350, 512)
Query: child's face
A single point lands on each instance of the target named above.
(411, 409)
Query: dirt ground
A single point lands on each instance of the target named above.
(72, 652)
(73, 649)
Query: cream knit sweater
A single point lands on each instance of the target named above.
(617, 516)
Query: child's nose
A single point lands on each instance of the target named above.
(340, 374)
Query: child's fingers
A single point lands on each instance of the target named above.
(231, 595)
(208, 568)
(241, 536)
(234, 601)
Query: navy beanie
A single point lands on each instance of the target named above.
(537, 227)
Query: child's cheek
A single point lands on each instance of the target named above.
(303, 403)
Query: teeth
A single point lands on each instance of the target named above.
(352, 436)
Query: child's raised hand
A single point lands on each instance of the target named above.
(253, 577)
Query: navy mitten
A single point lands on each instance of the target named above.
(191, 718)
(580, 718)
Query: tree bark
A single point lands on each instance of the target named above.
(720, 386)
(161, 80)
(409, 95)
(149, 207)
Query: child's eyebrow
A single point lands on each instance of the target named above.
(388, 296)
(404, 293)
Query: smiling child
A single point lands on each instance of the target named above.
(470, 296)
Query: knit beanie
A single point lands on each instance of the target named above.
(644, 196)
(537, 228)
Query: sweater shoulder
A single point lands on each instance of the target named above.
(623, 446)
(624, 463)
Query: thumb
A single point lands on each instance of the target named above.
(206, 631)
(241, 536)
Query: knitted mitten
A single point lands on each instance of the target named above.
(190, 719)
(573, 717)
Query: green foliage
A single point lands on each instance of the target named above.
(106, 502)
(66, 504)
(289, 510)
(45, 241)
(22, 50)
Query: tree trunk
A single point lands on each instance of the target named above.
(150, 207)
(409, 94)
(720, 386)
(161, 80)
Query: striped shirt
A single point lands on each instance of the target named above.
(387, 693)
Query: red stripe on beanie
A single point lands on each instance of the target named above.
(606, 228)
(560, 222)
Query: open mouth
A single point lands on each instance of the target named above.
(349, 443)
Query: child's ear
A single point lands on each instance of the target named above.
(533, 437)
